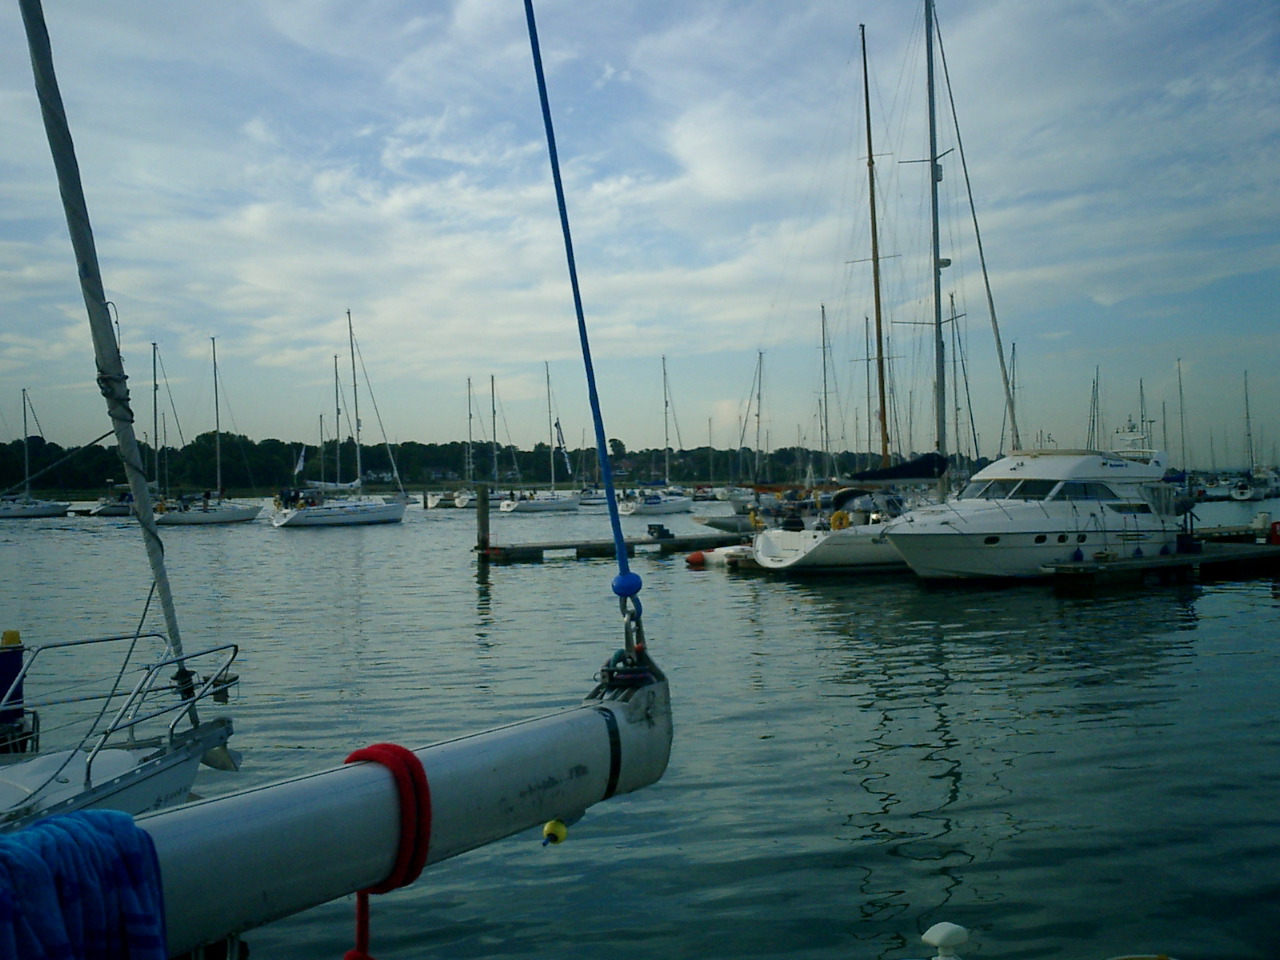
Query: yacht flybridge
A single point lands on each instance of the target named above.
(1039, 507)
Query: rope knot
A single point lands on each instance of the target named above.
(415, 830)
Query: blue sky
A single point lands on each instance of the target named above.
(253, 171)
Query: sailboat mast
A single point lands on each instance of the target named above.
(826, 413)
(337, 424)
(759, 392)
(551, 435)
(1248, 428)
(26, 454)
(666, 435)
(217, 422)
(875, 258)
(493, 416)
(935, 174)
(155, 415)
(355, 397)
(111, 378)
(467, 468)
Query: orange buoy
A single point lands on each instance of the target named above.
(696, 559)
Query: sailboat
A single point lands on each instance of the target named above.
(552, 501)
(114, 762)
(667, 499)
(852, 538)
(24, 505)
(211, 507)
(338, 504)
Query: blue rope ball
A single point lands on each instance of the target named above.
(627, 584)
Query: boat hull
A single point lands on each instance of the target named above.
(653, 507)
(32, 509)
(540, 505)
(217, 512)
(937, 549)
(862, 547)
(340, 513)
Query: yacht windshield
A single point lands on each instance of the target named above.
(1085, 490)
(1033, 490)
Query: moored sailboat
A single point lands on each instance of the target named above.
(211, 507)
(24, 505)
(550, 500)
(337, 504)
(667, 499)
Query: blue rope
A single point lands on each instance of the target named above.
(626, 584)
(81, 886)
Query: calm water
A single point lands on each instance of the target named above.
(854, 760)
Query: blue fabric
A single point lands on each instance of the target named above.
(81, 886)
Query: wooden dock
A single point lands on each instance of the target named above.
(1202, 561)
(587, 549)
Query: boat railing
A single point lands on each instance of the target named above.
(97, 704)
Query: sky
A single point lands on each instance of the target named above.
(255, 170)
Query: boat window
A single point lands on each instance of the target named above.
(988, 490)
(1062, 538)
(991, 540)
(1041, 538)
(1085, 490)
(1033, 490)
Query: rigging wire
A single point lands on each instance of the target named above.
(626, 585)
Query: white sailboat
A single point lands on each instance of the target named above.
(667, 500)
(211, 507)
(24, 505)
(551, 500)
(337, 504)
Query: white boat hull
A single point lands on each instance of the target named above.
(224, 511)
(862, 547)
(339, 513)
(21, 509)
(540, 505)
(652, 507)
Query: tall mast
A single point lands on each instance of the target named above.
(111, 379)
(355, 398)
(875, 257)
(1248, 428)
(551, 435)
(759, 392)
(666, 436)
(217, 421)
(155, 415)
(826, 415)
(26, 455)
(337, 424)
(1182, 422)
(493, 416)
(935, 174)
(467, 468)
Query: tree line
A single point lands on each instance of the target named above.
(264, 466)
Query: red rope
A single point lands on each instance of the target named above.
(415, 830)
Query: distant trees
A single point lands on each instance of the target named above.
(265, 465)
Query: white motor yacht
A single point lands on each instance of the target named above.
(1040, 507)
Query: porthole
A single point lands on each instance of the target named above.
(1062, 538)
(1081, 538)
(1041, 538)
(991, 540)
